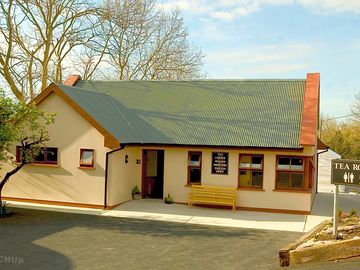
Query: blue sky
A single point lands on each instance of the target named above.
(280, 39)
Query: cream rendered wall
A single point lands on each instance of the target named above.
(65, 183)
(175, 179)
(175, 173)
(123, 177)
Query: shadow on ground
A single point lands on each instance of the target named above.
(50, 240)
(17, 248)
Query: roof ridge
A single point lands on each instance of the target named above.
(84, 89)
(204, 80)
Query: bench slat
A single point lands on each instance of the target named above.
(213, 195)
(210, 196)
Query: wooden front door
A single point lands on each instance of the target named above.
(153, 174)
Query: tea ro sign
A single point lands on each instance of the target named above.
(343, 172)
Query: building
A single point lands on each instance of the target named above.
(164, 136)
(324, 171)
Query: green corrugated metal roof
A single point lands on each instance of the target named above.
(104, 109)
(254, 113)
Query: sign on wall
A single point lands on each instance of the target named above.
(345, 172)
(219, 164)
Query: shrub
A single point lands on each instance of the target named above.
(353, 213)
(169, 199)
(4, 210)
(135, 193)
(136, 190)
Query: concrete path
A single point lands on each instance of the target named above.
(149, 209)
(157, 210)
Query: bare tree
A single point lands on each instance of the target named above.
(36, 37)
(145, 43)
(355, 108)
(44, 40)
(87, 58)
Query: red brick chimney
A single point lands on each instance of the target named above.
(72, 80)
(308, 132)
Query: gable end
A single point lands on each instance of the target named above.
(109, 140)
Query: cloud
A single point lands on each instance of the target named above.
(228, 10)
(332, 6)
(261, 54)
(195, 7)
(280, 68)
(227, 16)
(261, 61)
(221, 9)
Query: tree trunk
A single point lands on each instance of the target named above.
(7, 177)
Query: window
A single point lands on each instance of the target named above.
(251, 171)
(87, 158)
(290, 173)
(47, 155)
(194, 168)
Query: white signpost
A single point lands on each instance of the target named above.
(335, 216)
(343, 172)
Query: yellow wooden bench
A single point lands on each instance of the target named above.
(213, 195)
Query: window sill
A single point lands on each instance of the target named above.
(251, 188)
(45, 165)
(86, 168)
(293, 190)
(199, 184)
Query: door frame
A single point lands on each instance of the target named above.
(143, 170)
